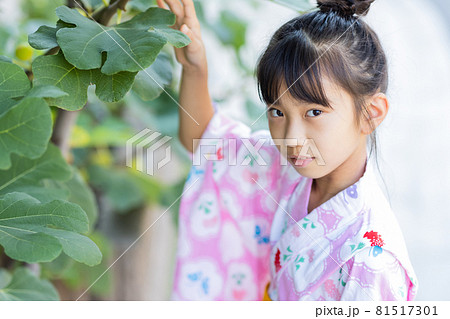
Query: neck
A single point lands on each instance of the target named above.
(345, 175)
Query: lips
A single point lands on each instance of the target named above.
(301, 161)
(295, 157)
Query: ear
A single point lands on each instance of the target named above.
(377, 109)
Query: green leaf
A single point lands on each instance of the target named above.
(82, 194)
(129, 46)
(55, 70)
(27, 173)
(77, 246)
(43, 38)
(77, 191)
(13, 82)
(159, 21)
(37, 232)
(78, 276)
(45, 191)
(112, 88)
(149, 84)
(138, 5)
(44, 91)
(25, 129)
(25, 286)
(5, 278)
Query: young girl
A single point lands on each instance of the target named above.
(293, 213)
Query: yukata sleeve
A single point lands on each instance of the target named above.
(225, 214)
(374, 277)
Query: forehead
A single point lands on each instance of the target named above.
(335, 94)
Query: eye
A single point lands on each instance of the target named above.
(277, 113)
(316, 112)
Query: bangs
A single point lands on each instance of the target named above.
(294, 61)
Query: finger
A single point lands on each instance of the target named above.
(189, 9)
(176, 7)
(186, 30)
(161, 4)
(190, 17)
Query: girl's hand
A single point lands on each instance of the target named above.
(193, 56)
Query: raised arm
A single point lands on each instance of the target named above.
(196, 108)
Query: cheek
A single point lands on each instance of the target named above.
(334, 143)
(337, 145)
(276, 131)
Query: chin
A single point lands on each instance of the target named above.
(310, 171)
(305, 171)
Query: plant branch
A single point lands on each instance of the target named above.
(104, 16)
(62, 130)
(75, 3)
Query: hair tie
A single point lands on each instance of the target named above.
(345, 8)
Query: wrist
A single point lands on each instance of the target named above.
(196, 71)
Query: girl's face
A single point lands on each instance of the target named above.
(333, 136)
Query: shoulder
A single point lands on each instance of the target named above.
(375, 259)
(375, 277)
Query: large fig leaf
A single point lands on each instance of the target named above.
(23, 285)
(13, 82)
(150, 83)
(55, 70)
(77, 191)
(48, 178)
(45, 36)
(129, 46)
(45, 91)
(37, 232)
(25, 129)
(25, 173)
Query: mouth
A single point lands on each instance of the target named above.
(300, 157)
(301, 161)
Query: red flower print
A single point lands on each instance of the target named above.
(219, 154)
(374, 237)
(277, 261)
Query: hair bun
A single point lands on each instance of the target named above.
(345, 8)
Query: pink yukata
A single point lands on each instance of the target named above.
(244, 225)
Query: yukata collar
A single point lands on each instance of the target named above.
(352, 200)
(349, 201)
(343, 208)
(325, 225)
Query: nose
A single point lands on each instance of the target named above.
(294, 136)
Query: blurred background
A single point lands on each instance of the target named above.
(414, 140)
